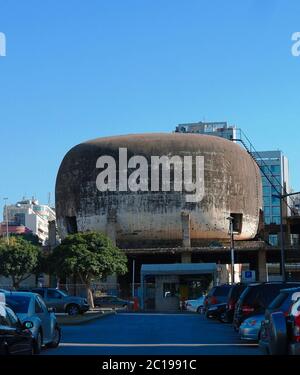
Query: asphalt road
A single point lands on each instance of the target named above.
(152, 334)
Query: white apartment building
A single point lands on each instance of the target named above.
(32, 215)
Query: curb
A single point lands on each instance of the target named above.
(70, 320)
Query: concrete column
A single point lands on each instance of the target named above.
(186, 258)
(186, 229)
(52, 234)
(111, 230)
(262, 265)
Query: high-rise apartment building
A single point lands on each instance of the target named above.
(30, 214)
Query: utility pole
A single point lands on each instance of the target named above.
(282, 251)
(230, 218)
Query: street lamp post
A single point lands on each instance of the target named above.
(7, 237)
(133, 276)
(230, 218)
(282, 252)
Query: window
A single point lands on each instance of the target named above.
(54, 294)
(222, 290)
(275, 220)
(276, 211)
(275, 169)
(38, 307)
(266, 190)
(237, 222)
(267, 220)
(273, 239)
(41, 292)
(275, 189)
(19, 304)
(267, 211)
(275, 201)
(14, 322)
(4, 321)
(42, 303)
(266, 201)
(71, 224)
(279, 300)
(169, 290)
(265, 169)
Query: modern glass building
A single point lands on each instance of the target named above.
(275, 165)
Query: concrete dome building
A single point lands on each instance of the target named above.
(146, 196)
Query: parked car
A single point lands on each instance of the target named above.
(15, 337)
(216, 311)
(195, 305)
(218, 294)
(283, 303)
(111, 302)
(31, 307)
(255, 299)
(250, 329)
(62, 302)
(233, 296)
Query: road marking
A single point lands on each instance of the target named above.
(74, 344)
(158, 314)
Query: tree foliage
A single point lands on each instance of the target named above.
(18, 259)
(87, 256)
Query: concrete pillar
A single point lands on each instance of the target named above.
(186, 258)
(52, 234)
(186, 229)
(111, 230)
(262, 265)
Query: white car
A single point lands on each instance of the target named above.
(195, 305)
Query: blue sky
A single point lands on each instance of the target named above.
(80, 70)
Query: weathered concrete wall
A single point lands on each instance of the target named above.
(232, 185)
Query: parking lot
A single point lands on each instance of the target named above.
(152, 334)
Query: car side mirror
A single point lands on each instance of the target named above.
(51, 309)
(27, 325)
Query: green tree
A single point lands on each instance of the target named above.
(87, 256)
(18, 259)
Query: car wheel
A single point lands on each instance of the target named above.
(38, 342)
(56, 338)
(278, 334)
(73, 310)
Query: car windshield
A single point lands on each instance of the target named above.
(19, 304)
(222, 290)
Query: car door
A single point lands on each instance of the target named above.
(42, 312)
(55, 299)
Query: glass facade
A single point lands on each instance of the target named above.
(273, 239)
(270, 163)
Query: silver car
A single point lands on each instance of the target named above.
(250, 328)
(31, 307)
